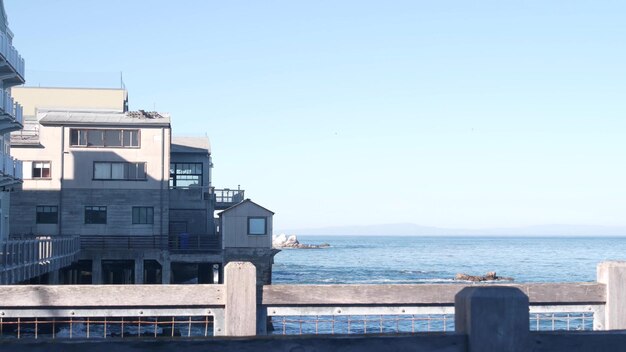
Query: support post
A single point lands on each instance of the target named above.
(139, 279)
(613, 275)
(96, 272)
(241, 311)
(494, 318)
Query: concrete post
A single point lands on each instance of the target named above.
(96, 271)
(241, 310)
(613, 275)
(53, 277)
(495, 319)
(139, 271)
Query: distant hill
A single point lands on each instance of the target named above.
(407, 229)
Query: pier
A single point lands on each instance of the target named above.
(442, 317)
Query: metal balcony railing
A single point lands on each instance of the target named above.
(11, 55)
(11, 108)
(226, 197)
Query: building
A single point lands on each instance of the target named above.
(11, 74)
(141, 200)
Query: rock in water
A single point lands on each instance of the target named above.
(282, 241)
(490, 276)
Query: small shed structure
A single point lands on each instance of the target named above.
(246, 225)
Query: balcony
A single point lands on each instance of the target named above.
(27, 136)
(11, 114)
(226, 198)
(181, 243)
(12, 65)
(11, 171)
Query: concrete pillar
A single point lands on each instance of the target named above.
(53, 277)
(240, 318)
(166, 272)
(495, 318)
(613, 275)
(96, 271)
(139, 271)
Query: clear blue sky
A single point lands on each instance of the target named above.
(442, 113)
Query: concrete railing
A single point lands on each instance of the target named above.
(24, 259)
(486, 317)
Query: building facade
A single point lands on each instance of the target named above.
(11, 74)
(141, 200)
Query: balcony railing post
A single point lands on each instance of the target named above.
(613, 275)
(494, 318)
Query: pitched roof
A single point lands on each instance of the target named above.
(244, 202)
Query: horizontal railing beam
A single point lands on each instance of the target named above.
(436, 294)
(94, 296)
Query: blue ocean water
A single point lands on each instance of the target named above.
(393, 259)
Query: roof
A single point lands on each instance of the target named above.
(242, 203)
(191, 145)
(104, 118)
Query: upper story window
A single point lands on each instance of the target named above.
(119, 171)
(184, 175)
(41, 169)
(257, 226)
(94, 138)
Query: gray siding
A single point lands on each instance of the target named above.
(119, 205)
(234, 227)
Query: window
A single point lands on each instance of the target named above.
(257, 226)
(95, 215)
(119, 171)
(104, 138)
(143, 215)
(183, 175)
(47, 214)
(41, 169)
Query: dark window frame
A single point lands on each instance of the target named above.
(93, 215)
(41, 177)
(40, 218)
(79, 138)
(149, 216)
(175, 176)
(264, 218)
(127, 170)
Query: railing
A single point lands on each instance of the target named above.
(193, 243)
(23, 259)
(228, 197)
(8, 165)
(11, 167)
(122, 242)
(28, 135)
(479, 317)
(11, 55)
(12, 110)
(175, 243)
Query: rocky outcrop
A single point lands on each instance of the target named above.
(282, 241)
(490, 276)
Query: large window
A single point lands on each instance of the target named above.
(119, 171)
(104, 138)
(143, 215)
(95, 215)
(47, 214)
(41, 169)
(184, 175)
(257, 226)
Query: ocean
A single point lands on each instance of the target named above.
(405, 260)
